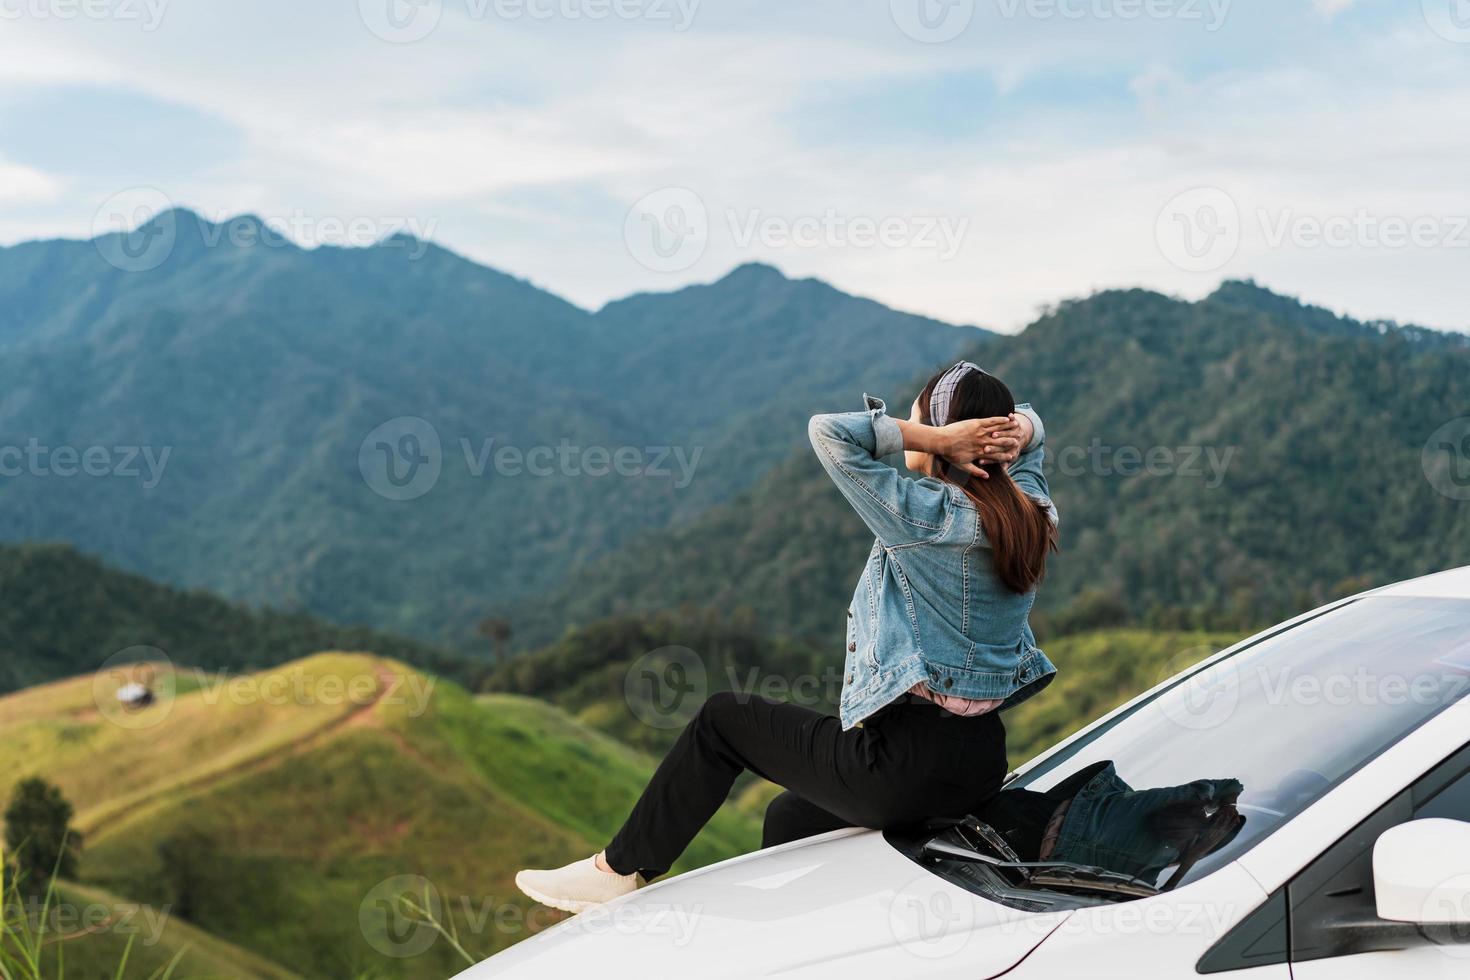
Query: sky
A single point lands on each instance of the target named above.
(974, 160)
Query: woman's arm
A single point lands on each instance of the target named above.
(851, 447)
(1027, 470)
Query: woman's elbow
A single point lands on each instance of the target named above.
(822, 428)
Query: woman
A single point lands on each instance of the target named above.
(938, 643)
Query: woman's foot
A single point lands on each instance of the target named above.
(578, 886)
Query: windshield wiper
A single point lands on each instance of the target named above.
(1051, 874)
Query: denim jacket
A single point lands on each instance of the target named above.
(929, 606)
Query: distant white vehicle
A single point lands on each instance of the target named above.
(134, 695)
(1295, 808)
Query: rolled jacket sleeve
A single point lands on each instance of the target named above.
(1027, 471)
(887, 437)
(851, 447)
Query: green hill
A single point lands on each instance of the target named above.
(66, 613)
(1097, 672)
(150, 941)
(1234, 461)
(597, 672)
(279, 812)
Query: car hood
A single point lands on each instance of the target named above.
(845, 904)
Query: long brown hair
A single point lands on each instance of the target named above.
(1019, 528)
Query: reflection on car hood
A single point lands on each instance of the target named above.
(842, 905)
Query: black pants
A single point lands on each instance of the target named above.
(908, 762)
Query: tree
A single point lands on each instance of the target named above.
(38, 831)
(498, 632)
(190, 863)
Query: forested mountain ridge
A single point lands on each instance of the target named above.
(233, 397)
(1241, 457)
(66, 614)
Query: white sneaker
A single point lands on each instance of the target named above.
(578, 886)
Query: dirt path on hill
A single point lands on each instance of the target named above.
(363, 716)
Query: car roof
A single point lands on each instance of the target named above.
(1453, 584)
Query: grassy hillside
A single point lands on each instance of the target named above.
(1098, 671)
(278, 814)
(596, 672)
(66, 613)
(149, 941)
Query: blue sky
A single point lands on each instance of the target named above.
(970, 159)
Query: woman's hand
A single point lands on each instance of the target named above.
(971, 444)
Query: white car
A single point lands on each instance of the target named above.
(1295, 808)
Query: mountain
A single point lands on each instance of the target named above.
(1234, 461)
(395, 435)
(288, 812)
(66, 613)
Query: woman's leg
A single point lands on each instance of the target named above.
(795, 747)
(789, 818)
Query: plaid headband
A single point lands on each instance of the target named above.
(944, 391)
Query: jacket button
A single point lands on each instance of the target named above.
(852, 647)
(849, 678)
(849, 614)
(948, 682)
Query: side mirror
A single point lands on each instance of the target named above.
(1421, 874)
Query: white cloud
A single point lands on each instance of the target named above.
(24, 185)
(524, 145)
(1331, 8)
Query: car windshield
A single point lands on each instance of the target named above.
(1193, 776)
